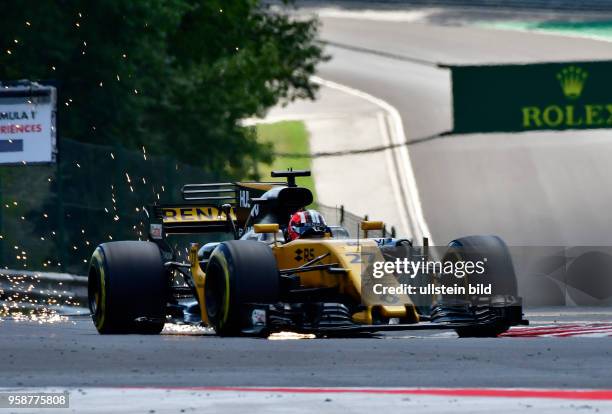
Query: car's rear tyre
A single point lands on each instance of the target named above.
(492, 315)
(128, 288)
(239, 273)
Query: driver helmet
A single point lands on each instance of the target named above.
(308, 223)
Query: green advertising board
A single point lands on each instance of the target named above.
(519, 98)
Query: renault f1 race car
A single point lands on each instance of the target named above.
(258, 280)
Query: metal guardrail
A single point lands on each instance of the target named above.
(22, 290)
(338, 216)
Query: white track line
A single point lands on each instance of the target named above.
(384, 130)
(406, 173)
(407, 16)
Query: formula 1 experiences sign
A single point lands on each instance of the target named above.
(519, 98)
(27, 124)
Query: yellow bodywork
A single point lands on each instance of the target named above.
(198, 277)
(348, 255)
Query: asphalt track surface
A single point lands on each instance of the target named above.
(72, 354)
(543, 188)
(542, 199)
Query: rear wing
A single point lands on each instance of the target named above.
(206, 207)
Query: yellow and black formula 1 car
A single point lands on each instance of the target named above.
(260, 283)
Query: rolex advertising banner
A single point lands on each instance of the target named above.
(519, 98)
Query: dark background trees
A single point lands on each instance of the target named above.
(174, 76)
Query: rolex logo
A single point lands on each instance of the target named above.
(572, 80)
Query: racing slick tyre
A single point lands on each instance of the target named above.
(128, 288)
(239, 272)
(488, 315)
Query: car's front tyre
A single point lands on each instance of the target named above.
(127, 288)
(239, 272)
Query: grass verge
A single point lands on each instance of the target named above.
(287, 137)
(601, 30)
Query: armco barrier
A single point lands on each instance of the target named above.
(25, 290)
(338, 216)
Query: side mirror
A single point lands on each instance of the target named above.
(266, 228)
(371, 225)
